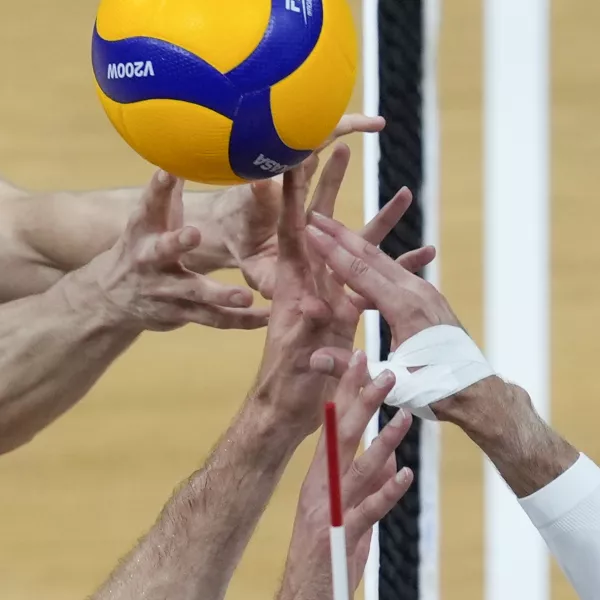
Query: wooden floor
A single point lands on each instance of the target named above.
(77, 498)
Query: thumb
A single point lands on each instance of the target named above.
(331, 361)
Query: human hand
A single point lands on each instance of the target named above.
(370, 487)
(247, 215)
(408, 303)
(142, 282)
(310, 308)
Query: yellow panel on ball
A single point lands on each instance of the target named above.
(223, 36)
(304, 117)
(174, 136)
(114, 112)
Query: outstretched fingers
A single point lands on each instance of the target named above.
(292, 221)
(155, 206)
(327, 190)
(413, 261)
(202, 290)
(367, 467)
(356, 245)
(354, 123)
(376, 506)
(387, 218)
(354, 421)
(228, 318)
(416, 260)
(353, 270)
(169, 247)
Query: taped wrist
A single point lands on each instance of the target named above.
(434, 364)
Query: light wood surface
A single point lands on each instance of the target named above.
(78, 497)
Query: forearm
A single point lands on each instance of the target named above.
(53, 348)
(193, 549)
(501, 420)
(559, 489)
(44, 236)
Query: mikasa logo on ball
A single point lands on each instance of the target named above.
(130, 70)
(272, 166)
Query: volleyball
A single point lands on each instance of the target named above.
(225, 91)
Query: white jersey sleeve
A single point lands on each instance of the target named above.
(567, 514)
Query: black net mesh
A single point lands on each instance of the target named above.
(400, 64)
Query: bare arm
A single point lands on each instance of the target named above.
(193, 549)
(371, 487)
(50, 356)
(501, 420)
(44, 236)
(199, 538)
(558, 488)
(54, 346)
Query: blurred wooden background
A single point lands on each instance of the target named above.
(78, 497)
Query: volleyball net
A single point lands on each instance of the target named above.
(400, 48)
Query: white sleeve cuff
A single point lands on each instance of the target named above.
(567, 514)
(563, 494)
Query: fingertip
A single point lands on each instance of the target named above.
(189, 238)
(341, 149)
(322, 223)
(428, 254)
(385, 380)
(406, 193)
(401, 420)
(404, 477)
(322, 363)
(377, 123)
(241, 298)
(261, 321)
(165, 179)
(358, 358)
(315, 234)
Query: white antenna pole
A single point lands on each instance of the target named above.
(517, 308)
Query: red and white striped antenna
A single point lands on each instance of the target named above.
(337, 532)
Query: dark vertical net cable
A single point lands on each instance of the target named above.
(400, 69)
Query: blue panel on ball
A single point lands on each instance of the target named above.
(292, 33)
(141, 68)
(255, 149)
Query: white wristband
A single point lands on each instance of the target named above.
(444, 361)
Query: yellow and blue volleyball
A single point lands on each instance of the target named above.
(224, 91)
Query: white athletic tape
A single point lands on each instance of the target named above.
(447, 361)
